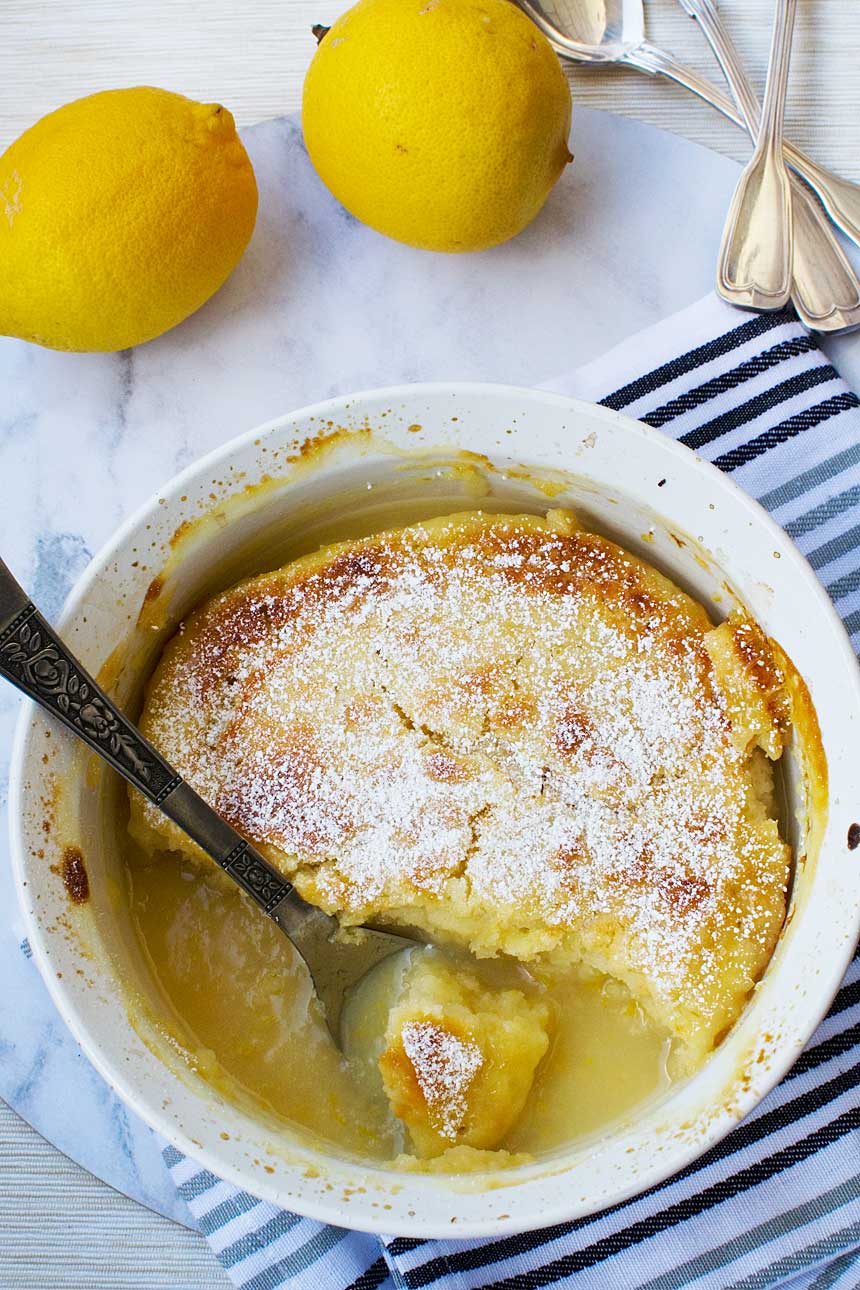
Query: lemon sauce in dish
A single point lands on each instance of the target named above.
(240, 1005)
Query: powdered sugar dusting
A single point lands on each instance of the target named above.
(445, 1067)
(507, 730)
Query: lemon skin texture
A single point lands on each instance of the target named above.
(440, 123)
(120, 214)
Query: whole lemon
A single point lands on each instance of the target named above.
(441, 123)
(120, 214)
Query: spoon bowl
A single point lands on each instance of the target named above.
(594, 31)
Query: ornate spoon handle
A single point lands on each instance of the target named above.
(35, 660)
(839, 197)
(754, 269)
(826, 290)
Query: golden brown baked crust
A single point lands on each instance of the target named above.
(505, 730)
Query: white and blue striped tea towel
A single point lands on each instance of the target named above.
(778, 1201)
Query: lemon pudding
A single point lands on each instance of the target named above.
(511, 734)
(459, 1057)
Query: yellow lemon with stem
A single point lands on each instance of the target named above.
(120, 214)
(441, 123)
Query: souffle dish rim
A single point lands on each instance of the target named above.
(489, 428)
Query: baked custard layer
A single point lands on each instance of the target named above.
(508, 732)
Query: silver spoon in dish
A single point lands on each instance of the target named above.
(613, 31)
(35, 660)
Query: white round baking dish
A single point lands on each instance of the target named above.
(345, 467)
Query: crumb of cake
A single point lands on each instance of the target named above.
(459, 1057)
(506, 731)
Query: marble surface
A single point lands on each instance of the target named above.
(319, 306)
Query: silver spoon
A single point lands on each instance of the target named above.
(614, 32)
(825, 287)
(35, 660)
(754, 264)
